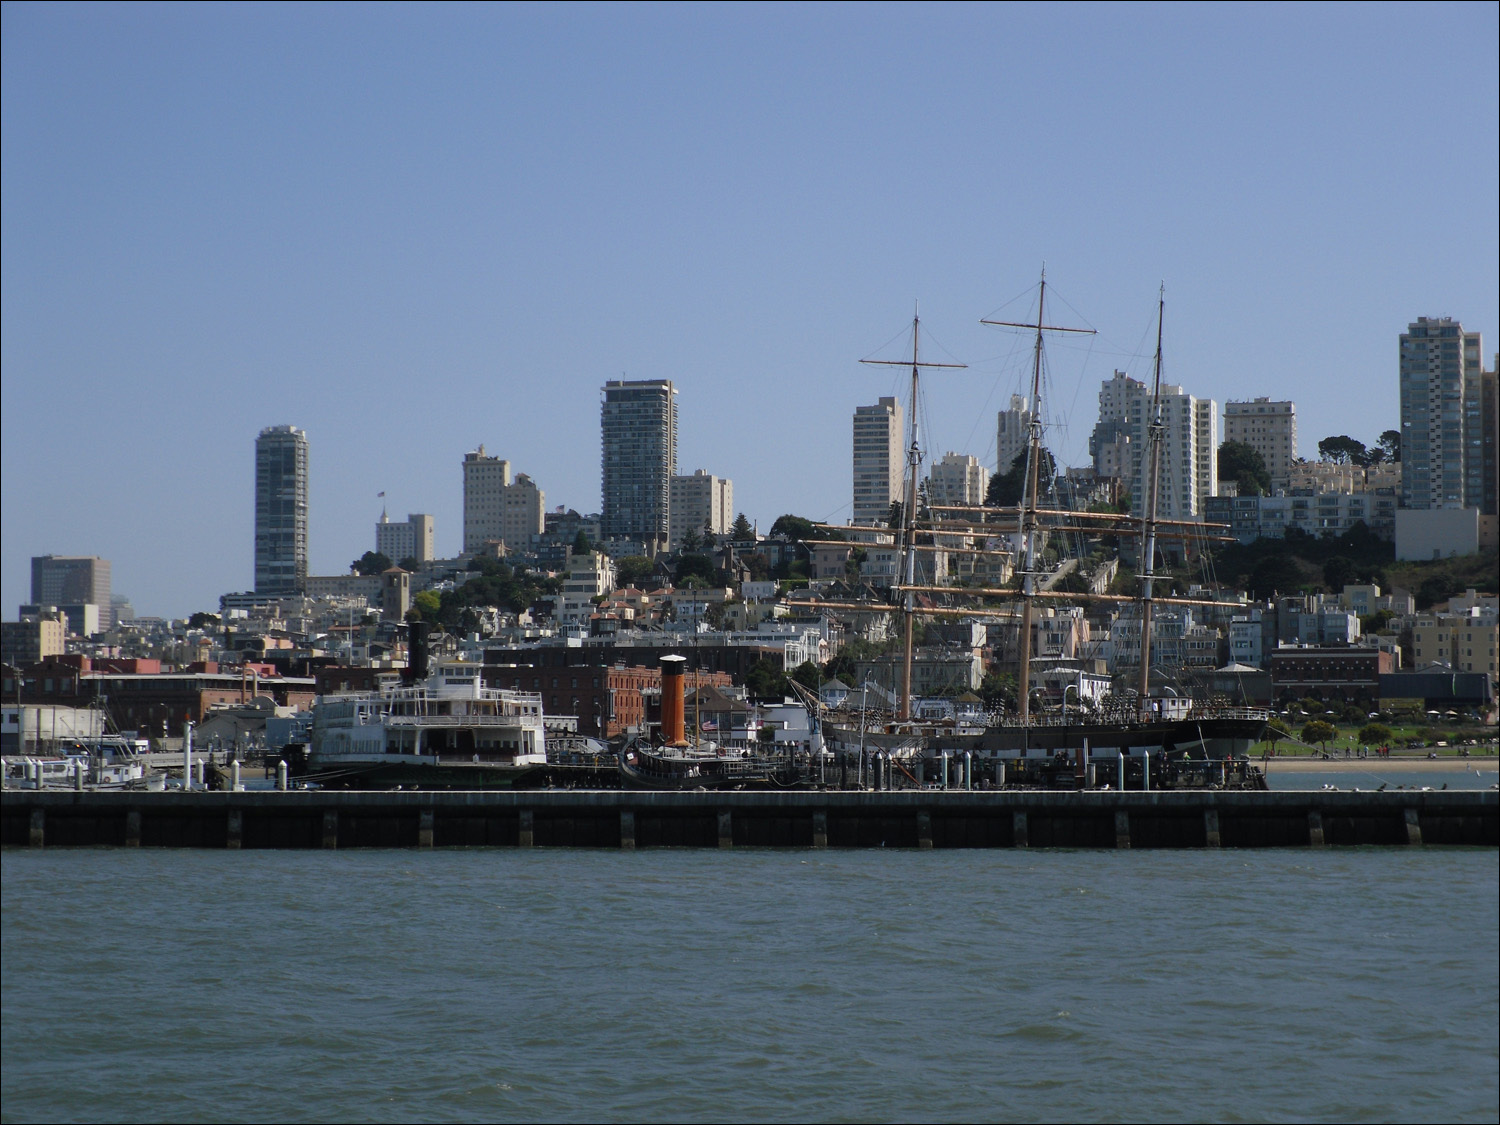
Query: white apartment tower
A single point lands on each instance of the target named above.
(957, 479)
(638, 428)
(497, 508)
(1189, 452)
(879, 462)
(409, 540)
(485, 481)
(1269, 428)
(1442, 437)
(281, 510)
(1012, 432)
(700, 501)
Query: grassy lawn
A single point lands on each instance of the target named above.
(1403, 735)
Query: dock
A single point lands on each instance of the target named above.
(793, 819)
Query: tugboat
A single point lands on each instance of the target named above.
(679, 764)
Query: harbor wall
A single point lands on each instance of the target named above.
(618, 819)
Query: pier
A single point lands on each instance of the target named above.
(802, 819)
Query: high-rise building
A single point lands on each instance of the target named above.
(638, 425)
(957, 479)
(878, 460)
(1269, 428)
(1489, 440)
(280, 510)
(701, 501)
(1442, 455)
(485, 481)
(409, 540)
(73, 580)
(1189, 449)
(523, 517)
(1012, 433)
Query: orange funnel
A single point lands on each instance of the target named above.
(673, 724)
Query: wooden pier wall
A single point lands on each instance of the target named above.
(600, 819)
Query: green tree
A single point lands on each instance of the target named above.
(1006, 489)
(1343, 450)
(1320, 732)
(695, 566)
(808, 675)
(202, 620)
(1390, 445)
(410, 563)
(632, 568)
(1243, 464)
(1275, 574)
(893, 517)
(765, 680)
(1375, 734)
(429, 604)
(692, 542)
(1276, 730)
(1338, 572)
(741, 530)
(371, 562)
(998, 689)
(581, 544)
(797, 528)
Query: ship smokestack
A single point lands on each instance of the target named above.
(416, 652)
(673, 722)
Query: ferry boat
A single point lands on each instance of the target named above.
(447, 731)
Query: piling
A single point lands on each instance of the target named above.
(1211, 837)
(1413, 827)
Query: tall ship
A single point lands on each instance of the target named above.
(1140, 739)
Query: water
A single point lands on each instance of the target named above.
(1372, 774)
(1356, 985)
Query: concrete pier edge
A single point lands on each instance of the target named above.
(728, 820)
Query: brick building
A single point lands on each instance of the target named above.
(1347, 674)
(607, 699)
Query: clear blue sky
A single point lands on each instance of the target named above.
(410, 230)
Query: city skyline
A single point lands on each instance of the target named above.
(464, 222)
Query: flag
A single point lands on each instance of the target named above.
(380, 494)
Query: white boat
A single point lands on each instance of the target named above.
(449, 729)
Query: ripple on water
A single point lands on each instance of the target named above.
(1352, 984)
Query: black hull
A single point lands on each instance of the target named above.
(463, 776)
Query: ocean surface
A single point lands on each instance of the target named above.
(1330, 985)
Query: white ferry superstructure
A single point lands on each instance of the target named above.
(450, 718)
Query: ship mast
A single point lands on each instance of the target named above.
(909, 507)
(1155, 432)
(1028, 521)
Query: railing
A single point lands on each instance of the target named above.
(458, 720)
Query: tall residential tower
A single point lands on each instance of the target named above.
(638, 425)
(879, 463)
(281, 510)
(1269, 428)
(1189, 451)
(1441, 405)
